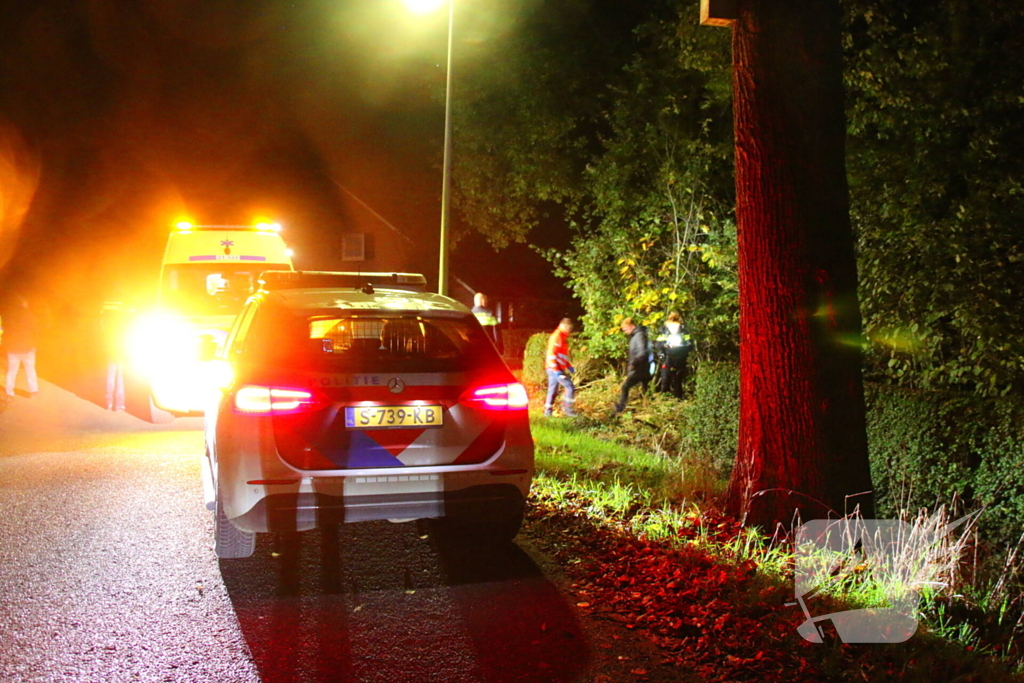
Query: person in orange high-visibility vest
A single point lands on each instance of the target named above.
(560, 369)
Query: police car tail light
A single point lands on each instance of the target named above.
(497, 397)
(260, 400)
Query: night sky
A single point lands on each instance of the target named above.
(117, 118)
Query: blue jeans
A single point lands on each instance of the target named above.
(115, 386)
(554, 379)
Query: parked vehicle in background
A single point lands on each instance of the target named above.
(208, 272)
(355, 397)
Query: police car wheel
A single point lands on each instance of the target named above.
(229, 542)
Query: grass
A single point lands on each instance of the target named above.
(627, 475)
(564, 450)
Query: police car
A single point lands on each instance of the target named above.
(352, 397)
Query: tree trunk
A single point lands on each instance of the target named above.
(802, 441)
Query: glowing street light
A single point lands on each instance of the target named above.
(423, 7)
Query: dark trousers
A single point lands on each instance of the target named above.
(633, 379)
(673, 374)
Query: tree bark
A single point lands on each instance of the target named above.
(802, 442)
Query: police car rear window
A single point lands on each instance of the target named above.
(399, 342)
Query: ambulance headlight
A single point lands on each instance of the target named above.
(160, 341)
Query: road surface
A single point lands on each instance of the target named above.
(107, 574)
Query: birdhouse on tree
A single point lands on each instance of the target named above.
(717, 12)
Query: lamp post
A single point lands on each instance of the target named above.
(446, 166)
(424, 7)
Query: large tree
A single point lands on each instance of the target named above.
(802, 442)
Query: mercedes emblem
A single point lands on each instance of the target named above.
(396, 386)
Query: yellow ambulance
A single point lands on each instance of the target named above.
(207, 274)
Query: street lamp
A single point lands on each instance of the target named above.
(423, 7)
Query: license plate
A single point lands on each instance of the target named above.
(392, 417)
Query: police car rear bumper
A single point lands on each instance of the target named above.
(284, 512)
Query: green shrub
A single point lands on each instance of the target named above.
(999, 482)
(514, 341)
(533, 360)
(926, 448)
(713, 416)
(917, 457)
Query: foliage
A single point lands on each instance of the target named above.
(683, 263)
(930, 448)
(533, 361)
(705, 591)
(657, 234)
(545, 79)
(712, 417)
(936, 120)
(927, 449)
(618, 122)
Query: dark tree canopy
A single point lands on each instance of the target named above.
(934, 118)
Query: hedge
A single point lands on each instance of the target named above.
(533, 360)
(713, 416)
(926, 448)
(515, 340)
(929, 447)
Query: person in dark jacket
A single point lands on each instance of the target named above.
(639, 371)
(20, 344)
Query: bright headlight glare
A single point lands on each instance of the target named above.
(157, 341)
(220, 373)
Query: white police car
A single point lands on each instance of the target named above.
(355, 397)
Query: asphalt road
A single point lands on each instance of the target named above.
(107, 574)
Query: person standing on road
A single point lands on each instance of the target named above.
(20, 344)
(113, 320)
(559, 369)
(482, 311)
(675, 344)
(639, 370)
